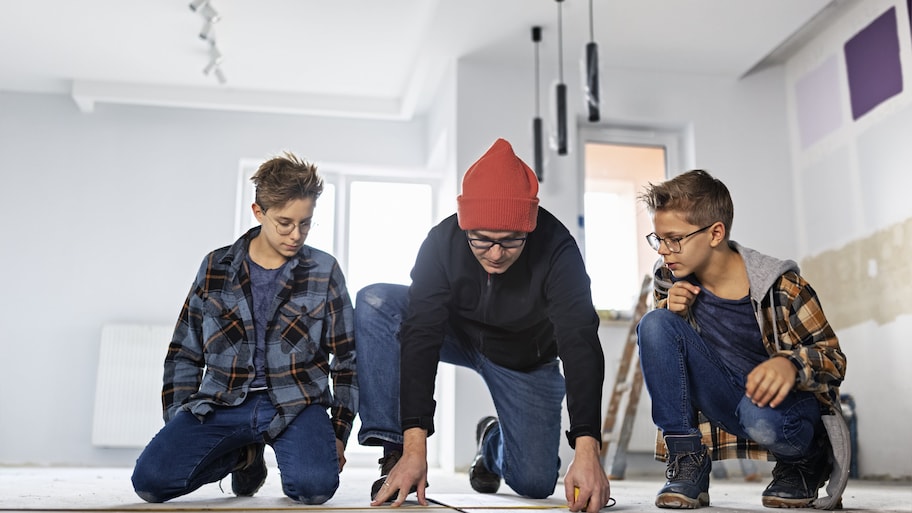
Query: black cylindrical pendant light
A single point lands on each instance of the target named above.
(592, 72)
(561, 87)
(537, 120)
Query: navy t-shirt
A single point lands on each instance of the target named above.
(730, 327)
(264, 283)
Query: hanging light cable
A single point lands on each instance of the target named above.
(561, 86)
(592, 71)
(537, 120)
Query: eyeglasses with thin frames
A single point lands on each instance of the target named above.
(486, 244)
(672, 243)
(285, 228)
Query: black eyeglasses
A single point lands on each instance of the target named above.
(486, 244)
(672, 243)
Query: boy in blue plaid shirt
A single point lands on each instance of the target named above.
(263, 353)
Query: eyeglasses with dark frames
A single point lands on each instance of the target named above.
(486, 244)
(672, 243)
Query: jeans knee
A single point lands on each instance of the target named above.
(374, 295)
(146, 486)
(652, 328)
(149, 497)
(763, 432)
(786, 431)
(312, 490)
(532, 486)
(311, 500)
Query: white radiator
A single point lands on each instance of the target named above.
(128, 409)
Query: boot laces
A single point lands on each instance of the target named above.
(685, 467)
(794, 475)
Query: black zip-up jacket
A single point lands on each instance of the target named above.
(538, 310)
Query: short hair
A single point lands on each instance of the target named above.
(696, 194)
(285, 178)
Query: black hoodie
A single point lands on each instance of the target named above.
(538, 310)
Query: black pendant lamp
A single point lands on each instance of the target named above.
(592, 79)
(537, 120)
(561, 86)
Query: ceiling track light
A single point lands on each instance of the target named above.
(209, 67)
(207, 33)
(209, 13)
(215, 59)
(196, 4)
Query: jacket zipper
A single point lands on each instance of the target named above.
(485, 301)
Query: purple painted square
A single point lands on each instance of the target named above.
(872, 64)
(818, 104)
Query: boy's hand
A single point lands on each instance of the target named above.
(340, 451)
(771, 381)
(680, 296)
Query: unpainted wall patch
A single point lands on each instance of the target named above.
(867, 279)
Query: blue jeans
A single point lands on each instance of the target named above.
(187, 453)
(524, 450)
(683, 375)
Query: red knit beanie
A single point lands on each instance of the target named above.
(499, 193)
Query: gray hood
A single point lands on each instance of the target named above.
(762, 270)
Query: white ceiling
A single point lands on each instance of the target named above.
(362, 58)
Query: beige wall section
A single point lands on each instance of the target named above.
(866, 280)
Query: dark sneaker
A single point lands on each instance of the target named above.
(795, 484)
(688, 472)
(386, 465)
(250, 473)
(482, 479)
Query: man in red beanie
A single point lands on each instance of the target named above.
(499, 287)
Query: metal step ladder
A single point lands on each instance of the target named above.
(628, 385)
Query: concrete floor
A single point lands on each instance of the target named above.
(35, 489)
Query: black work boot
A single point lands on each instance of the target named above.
(482, 479)
(795, 484)
(688, 472)
(250, 473)
(387, 463)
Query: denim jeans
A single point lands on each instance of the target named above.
(524, 450)
(187, 453)
(683, 374)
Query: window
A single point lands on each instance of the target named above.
(618, 164)
(388, 221)
(610, 215)
(323, 230)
